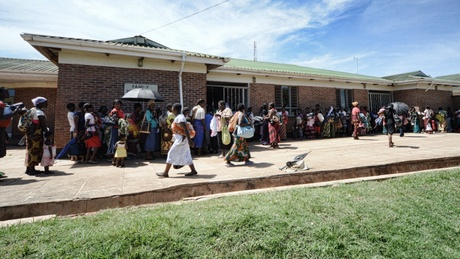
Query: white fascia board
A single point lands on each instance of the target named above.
(116, 48)
(300, 76)
(28, 76)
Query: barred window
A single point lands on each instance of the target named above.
(286, 96)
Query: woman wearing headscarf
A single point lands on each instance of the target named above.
(152, 138)
(34, 136)
(355, 119)
(116, 113)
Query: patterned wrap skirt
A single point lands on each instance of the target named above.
(34, 146)
(239, 151)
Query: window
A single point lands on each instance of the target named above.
(286, 96)
(344, 97)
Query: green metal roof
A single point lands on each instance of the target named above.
(259, 66)
(27, 65)
(407, 76)
(454, 77)
(132, 42)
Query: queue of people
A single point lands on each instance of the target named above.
(178, 132)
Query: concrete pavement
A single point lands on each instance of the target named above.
(80, 188)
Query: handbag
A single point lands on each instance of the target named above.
(226, 138)
(144, 126)
(245, 132)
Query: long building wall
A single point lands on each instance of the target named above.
(422, 98)
(101, 85)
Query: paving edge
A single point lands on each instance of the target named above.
(180, 192)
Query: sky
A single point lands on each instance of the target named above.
(369, 37)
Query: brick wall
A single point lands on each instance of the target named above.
(101, 85)
(310, 96)
(361, 96)
(419, 97)
(25, 95)
(260, 94)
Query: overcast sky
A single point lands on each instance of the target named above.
(377, 38)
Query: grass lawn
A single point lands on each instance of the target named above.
(415, 216)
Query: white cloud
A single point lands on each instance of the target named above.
(389, 35)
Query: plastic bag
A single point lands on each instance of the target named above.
(226, 138)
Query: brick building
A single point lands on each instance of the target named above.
(101, 71)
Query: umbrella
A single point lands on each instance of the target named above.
(141, 94)
(400, 108)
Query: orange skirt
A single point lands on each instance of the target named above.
(94, 141)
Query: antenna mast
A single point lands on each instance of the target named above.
(255, 50)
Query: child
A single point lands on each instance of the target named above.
(49, 152)
(120, 152)
(299, 125)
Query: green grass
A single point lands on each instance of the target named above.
(415, 216)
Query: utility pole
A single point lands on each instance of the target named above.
(357, 64)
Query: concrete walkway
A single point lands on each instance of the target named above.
(80, 188)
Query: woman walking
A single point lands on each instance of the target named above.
(152, 140)
(179, 154)
(240, 150)
(35, 136)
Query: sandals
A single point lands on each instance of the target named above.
(191, 173)
(162, 174)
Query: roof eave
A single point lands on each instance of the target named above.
(44, 44)
(302, 76)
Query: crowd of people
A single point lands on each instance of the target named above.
(177, 132)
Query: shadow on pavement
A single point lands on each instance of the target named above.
(413, 147)
(55, 173)
(16, 181)
(197, 176)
